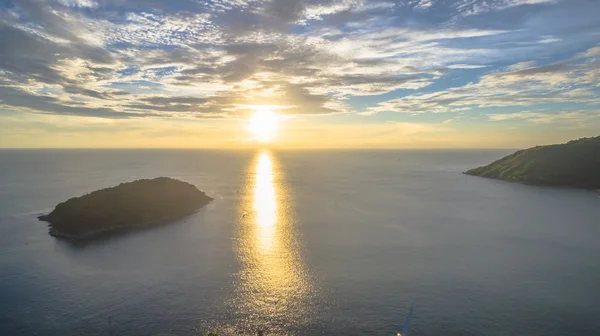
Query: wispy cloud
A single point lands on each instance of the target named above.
(521, 84)
(475, 7)
(580, 119)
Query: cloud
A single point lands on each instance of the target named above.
(466, 66)
(520, 66)
(476, 7)
(11, 97)
(217, 59)
(521, 84)
(547, 40)
(572, 117)
(192, 57)
(79, 3)
(423, 4)
(592, 52)
(26, 56)
(150, 29)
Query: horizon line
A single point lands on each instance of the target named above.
(258, 148)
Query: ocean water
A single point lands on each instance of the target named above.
(302, 243)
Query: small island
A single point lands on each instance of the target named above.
(128, 206)
(574, 164)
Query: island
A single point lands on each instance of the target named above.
(128, 206)
(574, 164)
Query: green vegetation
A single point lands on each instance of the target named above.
(127, 206)
(574, 164)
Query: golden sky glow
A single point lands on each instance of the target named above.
(50, 131)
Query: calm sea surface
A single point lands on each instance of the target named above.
(302, 243)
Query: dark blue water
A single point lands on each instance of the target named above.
(302, 243)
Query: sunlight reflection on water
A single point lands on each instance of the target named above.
(274, 291)
(265, 201)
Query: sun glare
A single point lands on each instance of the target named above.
(264, 124)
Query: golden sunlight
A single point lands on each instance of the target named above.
(265, 200)
(274, 282)
(264, 124)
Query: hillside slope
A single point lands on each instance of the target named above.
(573, 164)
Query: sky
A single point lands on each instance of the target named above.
(338, 73)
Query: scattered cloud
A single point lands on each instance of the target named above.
(98, 63)
(200, 60)
(475, 7)
(79, 3)
(520, 66)
(521, 84)
(423, 4)
(592, 52)
(466, 66)
(579, 118)
(550, 39)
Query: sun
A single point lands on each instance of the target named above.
(264, 124)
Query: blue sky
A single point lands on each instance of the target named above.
(412, 73)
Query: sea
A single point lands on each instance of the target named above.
(310, 242)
